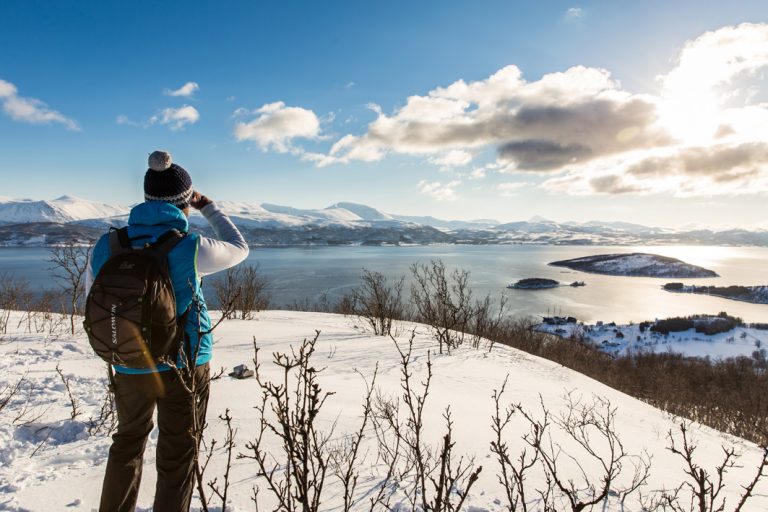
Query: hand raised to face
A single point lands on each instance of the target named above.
(199, 201)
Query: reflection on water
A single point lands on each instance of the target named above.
(298, 273)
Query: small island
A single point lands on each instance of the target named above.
(753, 294)
(534, 283)
(635, 265)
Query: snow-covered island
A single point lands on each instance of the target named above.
(636, 264)
(714, 336)
(540, 283)
(534, 283)
(754, 294)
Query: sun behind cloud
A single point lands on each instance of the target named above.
(583, 131)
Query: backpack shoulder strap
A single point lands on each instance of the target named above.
(119, 241)
(167, 241)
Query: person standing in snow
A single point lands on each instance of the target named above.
(168, 195)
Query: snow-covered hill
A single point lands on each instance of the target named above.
(49, 462)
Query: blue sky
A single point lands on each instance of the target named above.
(307, 104)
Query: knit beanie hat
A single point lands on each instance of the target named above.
(166, 181)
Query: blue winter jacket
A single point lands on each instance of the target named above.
(147, 221)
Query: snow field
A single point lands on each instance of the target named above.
(52, 463)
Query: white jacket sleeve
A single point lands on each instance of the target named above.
(215, 255)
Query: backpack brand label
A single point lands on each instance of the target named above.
(126, 266)
(113, 320)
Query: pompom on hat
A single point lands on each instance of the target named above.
(166, 181)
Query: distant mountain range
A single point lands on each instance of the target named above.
(26, 222)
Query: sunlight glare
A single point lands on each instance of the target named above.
(691, 114)
(690, 105)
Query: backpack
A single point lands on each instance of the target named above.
(130, 311)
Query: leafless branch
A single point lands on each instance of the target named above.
(74, 403)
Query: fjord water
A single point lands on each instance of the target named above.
(299, 273)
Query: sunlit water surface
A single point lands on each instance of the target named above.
(299, 273)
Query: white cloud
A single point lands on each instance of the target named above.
(349, 85)
(727, 167)
(587, 133)
(176, 118)
(718, 56)
(693, 92)
(276, 125)
(715, 150)
(7, 89)
(31, 110)
(574, 12)
(539, 125)
(453, 158)
(186, 91)
(438, 190)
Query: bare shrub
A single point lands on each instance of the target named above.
(590, 427)
(299, 483)
(705, 487)
(303, 305)
(442, 302)
(70, 262)
(345, 305)
(226, 289)
(451, 479)
(431, 477)
(17, 400)
(14, 295)
(513, 473)
(45, 314)
(221, 491)
(345, 455)
(10, 391)
(485, 320)
(378, 302)
(74, 403)
(242, 291)
(106, 421)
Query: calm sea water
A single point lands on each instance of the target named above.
(300, 273)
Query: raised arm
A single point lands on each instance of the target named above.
(227, 250)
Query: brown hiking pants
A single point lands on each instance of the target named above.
(135, 400)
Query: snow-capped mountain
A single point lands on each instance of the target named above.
(33, 222)
(362, 211)
(60, 210)
(447, 224)
(332, 213)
